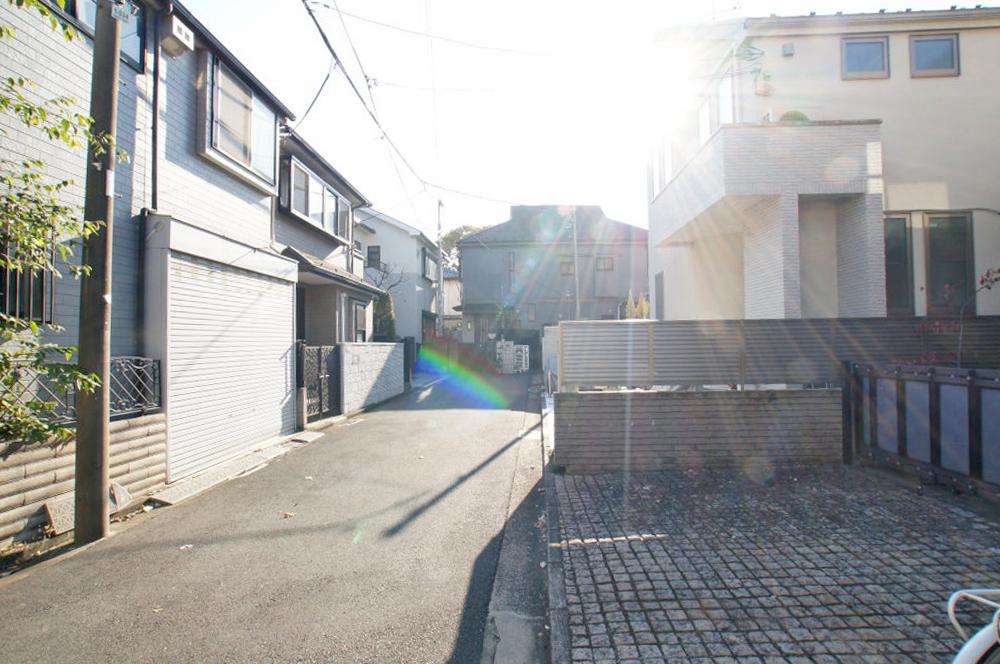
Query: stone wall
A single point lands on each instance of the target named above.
(370, 374)
(751, 431)
(33, 475)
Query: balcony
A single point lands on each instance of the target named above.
(743, 164)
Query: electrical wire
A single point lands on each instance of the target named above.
(418, 33)
(384, 134)
(368, 81)
(315, 98)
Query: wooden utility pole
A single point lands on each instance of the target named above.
(93, 410)
(439, 296)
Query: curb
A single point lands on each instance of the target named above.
(558, 612)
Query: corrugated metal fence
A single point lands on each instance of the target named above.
(750, 352)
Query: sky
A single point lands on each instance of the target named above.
(544, 101)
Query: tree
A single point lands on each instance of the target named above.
(507, 321)
(384, 315)
(987, 280)
(38, 233)
(630, 306)
(642, 307)
(450, 240)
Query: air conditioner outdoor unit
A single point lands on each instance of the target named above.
(178, 39)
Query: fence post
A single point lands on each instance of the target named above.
(651, 368)
(742, 332)
(300, 385)
(562, 358)
(934, 416)
(975, 428)
(873, 406)
(900, 413)
(847, 407)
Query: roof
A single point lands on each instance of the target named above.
(332, 272)
(365, 217)
(315, 155)
(227, 55)
(841, 19)
(543, 224)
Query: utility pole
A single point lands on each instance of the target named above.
(439, 296)
(576, 267)
(93, 409)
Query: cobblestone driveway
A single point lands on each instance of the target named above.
(838, 565)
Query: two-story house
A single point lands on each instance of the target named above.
(403, 260)
(840, 165)
(528, 265)
(315, 222)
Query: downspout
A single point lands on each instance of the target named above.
(154, 194)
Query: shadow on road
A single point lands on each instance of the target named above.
(461, 479)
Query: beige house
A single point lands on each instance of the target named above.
(838, 165)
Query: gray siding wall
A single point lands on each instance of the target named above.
(191, 188)
(751, 431)
(486, 279)
(61, 68)
(371, 373)
(33, 475)
(299, 234)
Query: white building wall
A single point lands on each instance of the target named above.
(371, 373)
(861, 257)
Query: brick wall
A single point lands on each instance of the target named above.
(371, 373)
(33, 475)
(753, 430)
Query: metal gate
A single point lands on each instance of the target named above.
(319, 373)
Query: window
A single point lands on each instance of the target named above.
(532, 312)
(26, 295)
(344, 218)
(358, 247)
(360, 324)
(864, 57)
(949, 264)
(374, 256)
(898, 267)
(605, 264)
(314, 201)
(726, 100)
(243, 128)
(566, 268)
(429, 265)
(132, 30)
(933, 55)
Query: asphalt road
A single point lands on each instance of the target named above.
(389, 557)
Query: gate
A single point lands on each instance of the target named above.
(319, 374)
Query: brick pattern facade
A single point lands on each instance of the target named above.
(753, 431)
(371, 373)
(860, 257)
(33, 475)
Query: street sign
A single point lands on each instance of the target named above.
(122, 10)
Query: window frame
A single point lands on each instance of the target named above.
(563, 270)
(16, 290)
(368, 255)
(910, 308)
(245, 171)
(427, 258)
(934, 73)
(328, 192)
(933, 308)
(531, 312)
(862, 76)
(73, 14)
(604, 260)
(356, 307)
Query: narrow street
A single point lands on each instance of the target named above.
(376, 543)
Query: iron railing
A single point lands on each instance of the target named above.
(134, 387)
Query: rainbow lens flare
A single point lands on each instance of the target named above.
(463, 380)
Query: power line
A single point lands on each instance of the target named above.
(315, 98)
(368, 81)
(419, 33)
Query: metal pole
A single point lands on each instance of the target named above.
(439, 324)
(93, 409)
(576, 268)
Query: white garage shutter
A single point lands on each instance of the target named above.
(231, 369)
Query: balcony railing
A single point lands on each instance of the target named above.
(134, 387)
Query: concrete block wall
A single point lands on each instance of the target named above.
(31, 53)
(38, 473)
(752, 431)
(370, 374)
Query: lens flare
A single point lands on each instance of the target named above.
(462, 380)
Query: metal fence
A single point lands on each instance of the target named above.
(318, 369)
(753, 352)
(134, 389)
(939, 420)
